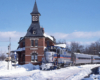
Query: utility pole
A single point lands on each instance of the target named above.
(9, 48)
(8, 56)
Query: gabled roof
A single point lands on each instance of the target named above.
(35, 9)
(20, 49)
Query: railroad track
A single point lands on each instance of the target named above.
(65, 75)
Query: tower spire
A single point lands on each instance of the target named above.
(35, 9)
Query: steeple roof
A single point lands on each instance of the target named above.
(35, 9)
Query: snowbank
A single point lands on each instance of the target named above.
(93, 77)
(15, 70)
(29, 67)
(69, 73)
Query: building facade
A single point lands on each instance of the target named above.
(32, 45)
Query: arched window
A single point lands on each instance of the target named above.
(34, 57)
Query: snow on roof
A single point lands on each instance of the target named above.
(20, 49)
(44, 48)
(48, 36)
(61, 45)
(21, 38)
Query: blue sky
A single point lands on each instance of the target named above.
(70, 20)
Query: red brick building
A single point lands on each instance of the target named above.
(31, 46)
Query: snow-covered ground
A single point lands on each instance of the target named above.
(31, 72)
(93, 76)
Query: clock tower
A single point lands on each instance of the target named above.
(35, 29)
(34, 39)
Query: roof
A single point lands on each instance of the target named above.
(34, 27)
(20, 49)
(21, 38)
(47, 36)
(35, 9)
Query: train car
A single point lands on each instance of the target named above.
(82, 58)
(96, 59)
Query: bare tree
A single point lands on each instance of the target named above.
(93, 48)
(61, 41)
(2, 57)
(76, 47)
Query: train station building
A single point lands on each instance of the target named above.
(31, 46)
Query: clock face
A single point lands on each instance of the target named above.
(35, 18)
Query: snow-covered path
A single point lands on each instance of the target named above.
(25, 72)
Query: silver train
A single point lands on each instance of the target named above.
(57, 57)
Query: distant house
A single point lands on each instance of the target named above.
(31, 46)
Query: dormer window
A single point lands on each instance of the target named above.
(34, 32)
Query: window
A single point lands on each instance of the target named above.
(34, 57)
(83, 58)
(23, 44)
(35, 18)
(32, 42)
(34, 32)
(23, 57)
(36, 42)
(48, 44)
(97, 58)
(58, 51)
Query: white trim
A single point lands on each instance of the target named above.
(34, 61)
(33, 48)
(31, 54)
(34, 38)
